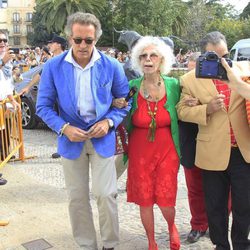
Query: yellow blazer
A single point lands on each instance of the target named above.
(213, 143)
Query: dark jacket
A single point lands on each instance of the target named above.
(188, 133)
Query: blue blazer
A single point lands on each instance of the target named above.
(57, 85)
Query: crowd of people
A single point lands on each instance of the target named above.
(200, 123)
(28, 58)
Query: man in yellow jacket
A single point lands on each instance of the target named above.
(222, 149)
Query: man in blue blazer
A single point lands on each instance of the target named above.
(83, 82)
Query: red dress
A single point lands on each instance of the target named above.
(152, 166)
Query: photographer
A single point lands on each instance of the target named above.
(235, 82)
(222, 149)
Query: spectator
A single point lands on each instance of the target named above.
(57, 45)
(6, 91)
(45, 55)
(38, 54)
(222, 150)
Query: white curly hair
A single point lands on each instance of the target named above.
(162, 48)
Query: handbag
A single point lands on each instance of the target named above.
(247, 80)
(121, 140)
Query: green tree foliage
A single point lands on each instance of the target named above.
(109, 36)
(219, 11)
(232, 29)
(205, 16)
(246, 12)
(198, 15)
(54, 12)
(149, 17)
(189, 21)
(246, 27)
(40, 36)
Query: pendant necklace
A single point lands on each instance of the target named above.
(152, 125)
(152, 113)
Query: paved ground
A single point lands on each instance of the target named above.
(35, 202)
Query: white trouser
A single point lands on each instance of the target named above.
(104, 188)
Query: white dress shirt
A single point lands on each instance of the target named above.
(85, 102)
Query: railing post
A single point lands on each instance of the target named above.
(20, 131)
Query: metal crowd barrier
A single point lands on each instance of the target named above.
(11, 133)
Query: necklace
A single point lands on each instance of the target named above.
(152, 125)
(152, 113)
(145, 91)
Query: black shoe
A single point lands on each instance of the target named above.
(104, 248)
(195, 235)
(55, 156)
(2, 181)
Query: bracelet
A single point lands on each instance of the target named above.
(63, 128)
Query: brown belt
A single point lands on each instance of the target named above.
(234, 145)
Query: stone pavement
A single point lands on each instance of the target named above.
(35, 202)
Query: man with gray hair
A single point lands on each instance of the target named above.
(83, 81)
(222, 149)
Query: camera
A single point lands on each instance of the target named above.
(209, 65)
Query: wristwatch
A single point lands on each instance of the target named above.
(111, 123)
(1, 62)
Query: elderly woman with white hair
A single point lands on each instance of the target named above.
(153, 137)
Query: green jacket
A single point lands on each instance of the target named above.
(173, 95)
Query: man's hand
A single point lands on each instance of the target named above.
(216, 104)
(16, 105)
(99, 129)
(9, 55)
(27, 88)
(24, 91)
(75, 134)
(191, 101)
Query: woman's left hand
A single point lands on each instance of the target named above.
(119, 103)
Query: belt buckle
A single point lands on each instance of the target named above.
(234, 145)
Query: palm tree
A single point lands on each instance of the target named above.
(54, 12)
(180, 21)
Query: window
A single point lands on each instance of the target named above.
(16, 29)
(16, 17)
(243, 54)
(28, 17)
(16, 40)
(29, 29)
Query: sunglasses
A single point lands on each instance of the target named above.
(87, 40)
(3, 40)
(146, 56)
